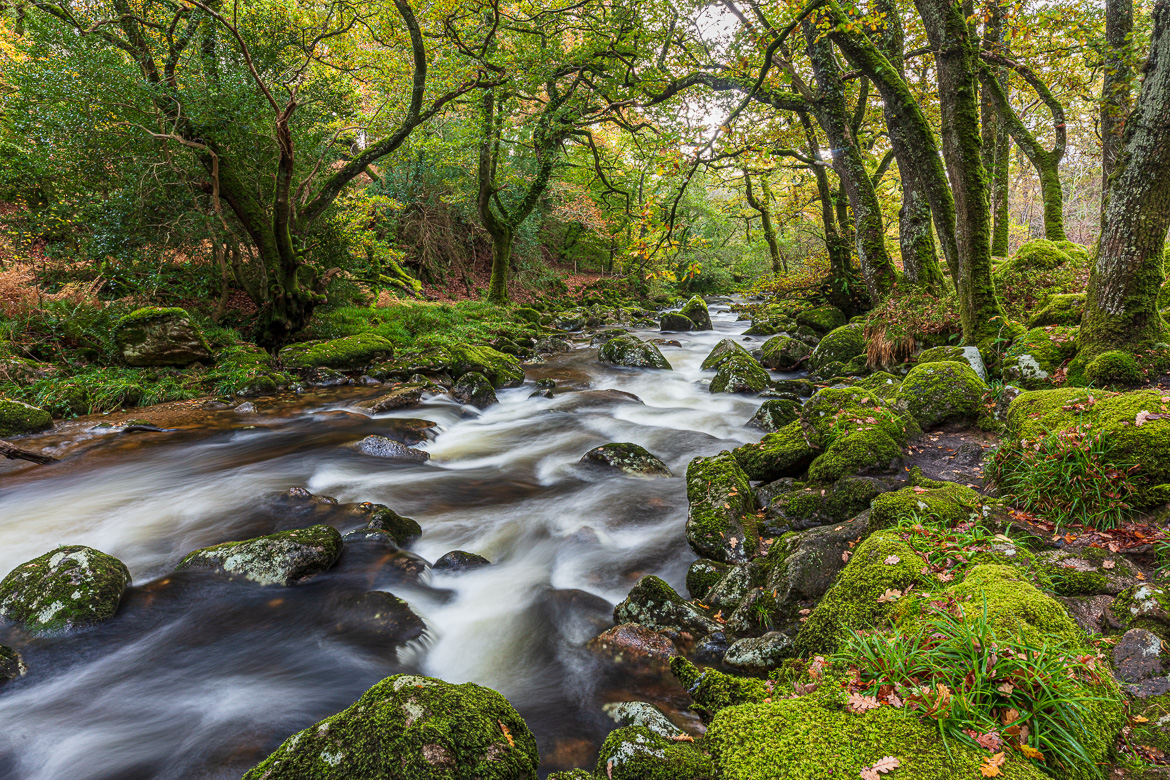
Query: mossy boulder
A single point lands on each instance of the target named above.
(654, 604)
(68, 588)
(774, 414)
(703, 574)
(1115, 368)
(282, 558)
(673, 322)
(784, 453)
(402, 530)
(881, 384)
(1033, 358)
(1086, 571)
(1014, 607)
(808, 505)
(740, 374)
(247, 370)
(952, 354)
(409, 727)
(783, 352)
(631, 352)
(864, 451)
(1144, 605)
(475, 389)
(934, 502)
(347, 353)
(695, 310)
(160, 337)
(637, 753)
(822, 319)
(640, 713)
(17, 418)
(721, 514)
(1059, 309)
(723, 351)
(628, 458)
(501, 369)
(839, 346)
(938, 393)
(835, 411)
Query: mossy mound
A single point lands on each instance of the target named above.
(865, 451)
(631, 352)
(740, 374)
(783, 352)
(785, 453)
(721, 514)
(838, 346)
(474, 388)
(637, 753)
(501, 369)
(933, 502)
(247, 370)
(881, 384)
(723, 351)
(1039, 270)
(835, 411)
(1033, 358)
(633, 459)
(702, 576)
(808, 505)
(1059, 309)
(774, 414)
(937, 393)
(67, 588)
(160, 337)
(822, 319)
(1115, 369)
(282, 558)
(1014, 607)
(343, 354)
(952, 354)
(695, 310)
(411, 728)
(17, 418)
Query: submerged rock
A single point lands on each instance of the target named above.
(67, 588)
(458, 560)
(632, 352)
(411, 727)
(283, 558)
(12, 666)
(631, 643)
(399, 396)
(380, 615)
(628, 458)
(474, 388)
(383, 447)
(160, 337)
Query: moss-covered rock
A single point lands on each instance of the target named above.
(640, 713)
(1059, 309)
(937, 393)
(775, 414)
(17, 418)
(822, 319)
(785, 453)
(1014, 607)
(673, 322)
(947, 503)
(740, 374)
(346, 353)
(68, 588)
(637, 753)
(12, 666)
(628, 458)
(881, 384)
(864, 451)
(502, 370)
(702, 576)
(402, 530)
(952, 354)
(1086, 571)
(282, 558)
(247, 370)
(816, 504)
(1115, 368)
(695, 310)
(1145, 605)
(632, 352)
(722, 352)
(712, 691)
(474, 388)
(654, 604)
(783, 352)
(839, 346)
(834, 411)
(721, 514)
(411, 728)
(160, 337)
(1033, 358)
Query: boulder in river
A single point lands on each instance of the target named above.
(695, 310)
(740, 374)
(783, 352)
(629, 458)
(346, 353)
(17, 418)
(654, 604)
(380, 615)
(399, 396)
(634, 644)
(67, 588)
(389, 449)
(501, 370)
(402, 530)
(723, 352)
(783, 453)
(11, 665)
(459, 560)
(674, 322)
(160, 337)
(409, 727)
(475, 389)
(721, 514)
(774, 414)
(637, 753)
(283, 558)
(632, 352)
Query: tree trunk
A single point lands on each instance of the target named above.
(1000, 183)
(501, 257)
(1115, 92)
(995, 135)
(1121, 310)
(764, 207)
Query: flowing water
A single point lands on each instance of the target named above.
(200, 678)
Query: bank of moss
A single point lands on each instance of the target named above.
(18, 418)
(869, 450)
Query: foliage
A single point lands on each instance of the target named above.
(908, 320)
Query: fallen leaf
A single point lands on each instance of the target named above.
(507, 733)
(890, 561)
(859, 703)
(880, 767)
(1006, 689)
(919, 489)
(1140, 719)
(990, 741)
(683, 738)
(1031, 752)
(991, 765)
(1107, 564)
(891, 594)
(845, 556)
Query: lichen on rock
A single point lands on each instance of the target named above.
(65, 589)
(631, 352)
(160, 337)
(282, 558)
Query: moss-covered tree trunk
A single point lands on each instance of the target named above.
(1000, 183)
(1116, 99)
(501, 259)
(764, 207)
(1121, 309)
(996, 139)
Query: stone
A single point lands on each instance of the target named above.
(501, 370)
(343, 354)
(1087, 571)
(938, 393)
(783, 352)
(1137, 656)
(409, 726)
(822, 319)
(632, 459)
(637, 753)
(282, 558)
(839, 346)
(475, 389)
(380, 615)
(631, 352)
(721, 510)
(968, 355)
(399, 396)
(758, 655)
(695, 310)
(160, 337)
(654, 604)
(18, 418)
(1088, 611)
(774, 414)
(389, 449)
(66, 589)
(460, 561)
(640, 713)
(740, 374)
(1033, 358)
(722, 352)
(631, 643)
(710, 649)
(12, 666)
(673, 322)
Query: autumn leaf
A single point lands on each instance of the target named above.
(1031, 752)
(1006, 689)
(891, 594)
(893, 559)
(1107, 564)
(683, 738)
(507, 734)
(880, 767)
(991, 741)
(845, 556)
(991, 765)
(859, 703)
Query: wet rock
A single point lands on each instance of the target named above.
(245, 408)
(458, 560)
(695, 310)
(711, 649)
(379, 615)
(674, 322)
(721, 511)
(12, 666)
(732, 587)
(637, 753)
(605, 335)
(654, 604)
(500, 369)
(758, 655)
(542, 393)
(68, 588)
(783, 453)
(632, 352)
(389, 449)
(937, 393)
(283, 558)
(160, 337)
(325, 377)
(475, 389)
(1088, 611)
(640, 713)
(399, 396)
(628, 458)
(840, 346)
(810, 505)
(784, 353)
(370, 536)
(774, 414)
(702, 576)
(419, 727)
(1137, 656)
(402, 530)
(740, 374)
(18, 418)
(637, 645)
(345, 354)
(723, 351)
(553, 345)
(799, 387)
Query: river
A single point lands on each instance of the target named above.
(200, 678)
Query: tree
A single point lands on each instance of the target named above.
(764, 207)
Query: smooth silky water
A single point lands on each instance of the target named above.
(200, 678)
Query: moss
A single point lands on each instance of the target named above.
(67, 588)
(942, 503)
(1143, 606)
(637, 753)
(654, 604)
(702, 576)
(1059, 309)
(17, 418)
(345, 353)
(695, 310)
(150, 314)
(740, 374)
(245, 369)
(775, 414)
(721, 516)
(572, 774)
(401, 529)
(712, 691)
(1033, 358)
(526, 314)
(834, 411)
(838, 346)
(160, 337)
(783, 352)
(936, 393)
(627, 457)
(502, 370)
(282, 558)
(852, 602)
(1014, 606)
(722, 352)
(811, 505)
(881, 384)
(822, 319)
(785, 453)
(413, 728)
(861, 451)
(1115, 368)
(632, 352)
